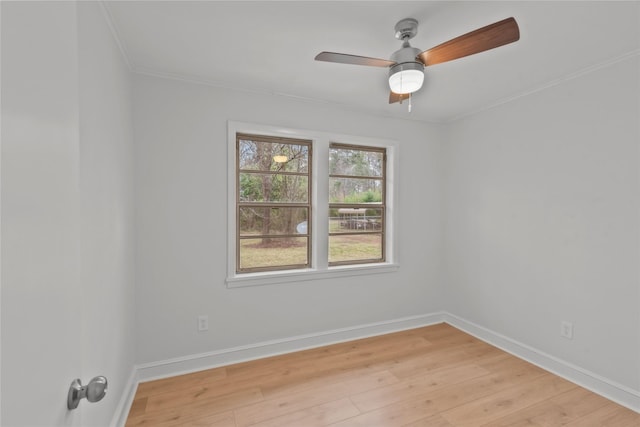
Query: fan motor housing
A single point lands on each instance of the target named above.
(406, 66)
(405, 59)
(406, 54)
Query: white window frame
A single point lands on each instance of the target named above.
(320, 268)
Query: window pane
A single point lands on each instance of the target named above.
(349, 220)
(273, 252)
(263, 156)
(355, 190)
(268, 220)
(357, 199)
(274, 202)
(256, 187)
(347, 161)
(355, 247)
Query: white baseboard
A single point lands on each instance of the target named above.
(618, 393)
(198, 362)
(124, 405)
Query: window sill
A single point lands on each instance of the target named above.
(276, 277)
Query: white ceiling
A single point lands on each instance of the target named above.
(269, 46)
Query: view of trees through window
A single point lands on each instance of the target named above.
(273, 203)
(273, 208)
(356, 204)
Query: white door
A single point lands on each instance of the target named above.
(41, 292)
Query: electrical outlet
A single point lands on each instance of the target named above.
(203, 323)
(566, 329)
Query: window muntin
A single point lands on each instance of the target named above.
(356, 204)
(273, 203)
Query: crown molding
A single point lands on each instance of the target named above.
(115, 32)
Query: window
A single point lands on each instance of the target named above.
(306, 204)
(356, 204)
(273, 183)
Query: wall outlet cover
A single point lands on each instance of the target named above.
(203, 323)
(566, 329)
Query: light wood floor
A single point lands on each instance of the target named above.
(435, 376)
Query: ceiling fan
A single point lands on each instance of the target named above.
(406, 66)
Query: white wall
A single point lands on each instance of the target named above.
(67, 213)
(542, 220)
(106, 207)
(40, 284)
(181, 217)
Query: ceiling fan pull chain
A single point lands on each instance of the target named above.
(409, 103)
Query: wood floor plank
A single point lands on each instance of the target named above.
(412, 387)
(432, 359)
(395, 415)
(316, 416)
(138, 407)
(512, 366)
(183, 419)
(609, 415)
(196, 395)
(461, 394)
(487, 409)
(327, 379)
(557, 411)
(433, 421)
(150, 388)
(436, 376)
(430, 402)
(224, 419)
(443, 334)
(178, 415)
(272, 408)
(164, 419)
(278, 375)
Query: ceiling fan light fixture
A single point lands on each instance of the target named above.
(406, 78)
(406, 65)
(279, 158)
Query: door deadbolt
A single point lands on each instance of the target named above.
(93, 392)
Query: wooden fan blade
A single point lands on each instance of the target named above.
(485, 38)
(343, 58)
(397, 97)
